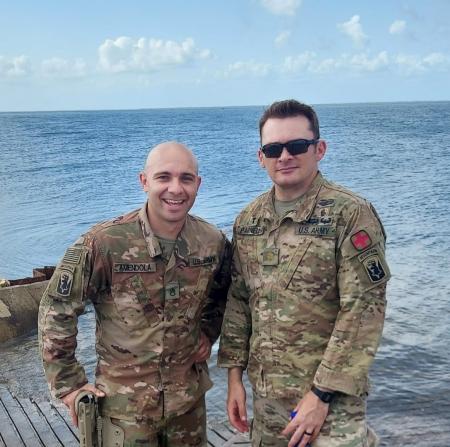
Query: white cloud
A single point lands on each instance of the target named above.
(309, 62)
(362, 62)
(282, 7)
(413, 64)
(14, 67)
(245, 68)
(327, 65)
(409, 63)
(397, 27)
(353, 29)
(436, 59)
(282, 38)
(301, 62)
(142, 55)
(57, 67)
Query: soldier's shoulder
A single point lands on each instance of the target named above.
(341, 195)
(105, 227)
(347, 202)
(203, 227)
(253, 209)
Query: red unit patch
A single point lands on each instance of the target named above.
(361, 240)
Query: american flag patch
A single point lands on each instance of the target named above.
(72, 255)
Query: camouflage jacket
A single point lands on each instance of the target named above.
(149, 314)
(307, 299)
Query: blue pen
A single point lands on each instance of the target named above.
(293, 414)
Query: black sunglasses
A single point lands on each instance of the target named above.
(294, 147)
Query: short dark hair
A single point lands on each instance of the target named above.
(289, 108)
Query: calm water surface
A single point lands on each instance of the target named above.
(60, 172)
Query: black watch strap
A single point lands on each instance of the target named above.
(325, 396)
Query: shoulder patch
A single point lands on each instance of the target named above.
(65, 282)
(374, 268)
(72, 255)
(361, 240)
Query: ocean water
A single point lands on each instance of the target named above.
(60, 172)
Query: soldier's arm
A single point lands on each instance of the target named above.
(237, 400)
(62, 303)
(361, 277)
(212, 314)
(237, 323)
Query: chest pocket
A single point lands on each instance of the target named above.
(248, 246)
(132, 301)
(313, 274)
(196, 282)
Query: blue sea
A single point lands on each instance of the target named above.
(60, 172)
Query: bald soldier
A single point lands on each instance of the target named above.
(306, 306)
(157, 278)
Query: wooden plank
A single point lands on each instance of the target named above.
(214, 439)
(224, 430)
(20, 420)
(58, 425)
(39, 423)
(224, 435)
(238, 440)
(8, 431)
(64, 413)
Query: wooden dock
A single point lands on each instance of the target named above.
(27, 422)
(30, 422)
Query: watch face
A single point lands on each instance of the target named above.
(324, 396)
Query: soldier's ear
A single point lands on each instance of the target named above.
(261, 158)
(143, 181)
(321, 148)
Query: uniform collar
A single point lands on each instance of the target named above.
(154, 248)
(307, 204)
(187, 242)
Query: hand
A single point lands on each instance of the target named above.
(311, 414)
(69, 400)
(204, 349)
(236, 400)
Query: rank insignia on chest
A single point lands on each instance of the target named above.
(325, 203)
(270, 256)
(361, 240)
(65, 282)
(172, 290)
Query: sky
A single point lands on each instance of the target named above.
(96, 54)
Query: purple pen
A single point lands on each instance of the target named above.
(293, 414)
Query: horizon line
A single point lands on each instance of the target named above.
(219, 106)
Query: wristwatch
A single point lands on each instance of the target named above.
(325, 396)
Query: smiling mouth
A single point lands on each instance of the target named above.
(287, 168)
(173, 202)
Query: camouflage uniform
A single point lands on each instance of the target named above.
(306, 305)
(149, 316)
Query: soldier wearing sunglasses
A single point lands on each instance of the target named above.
(306, 307)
